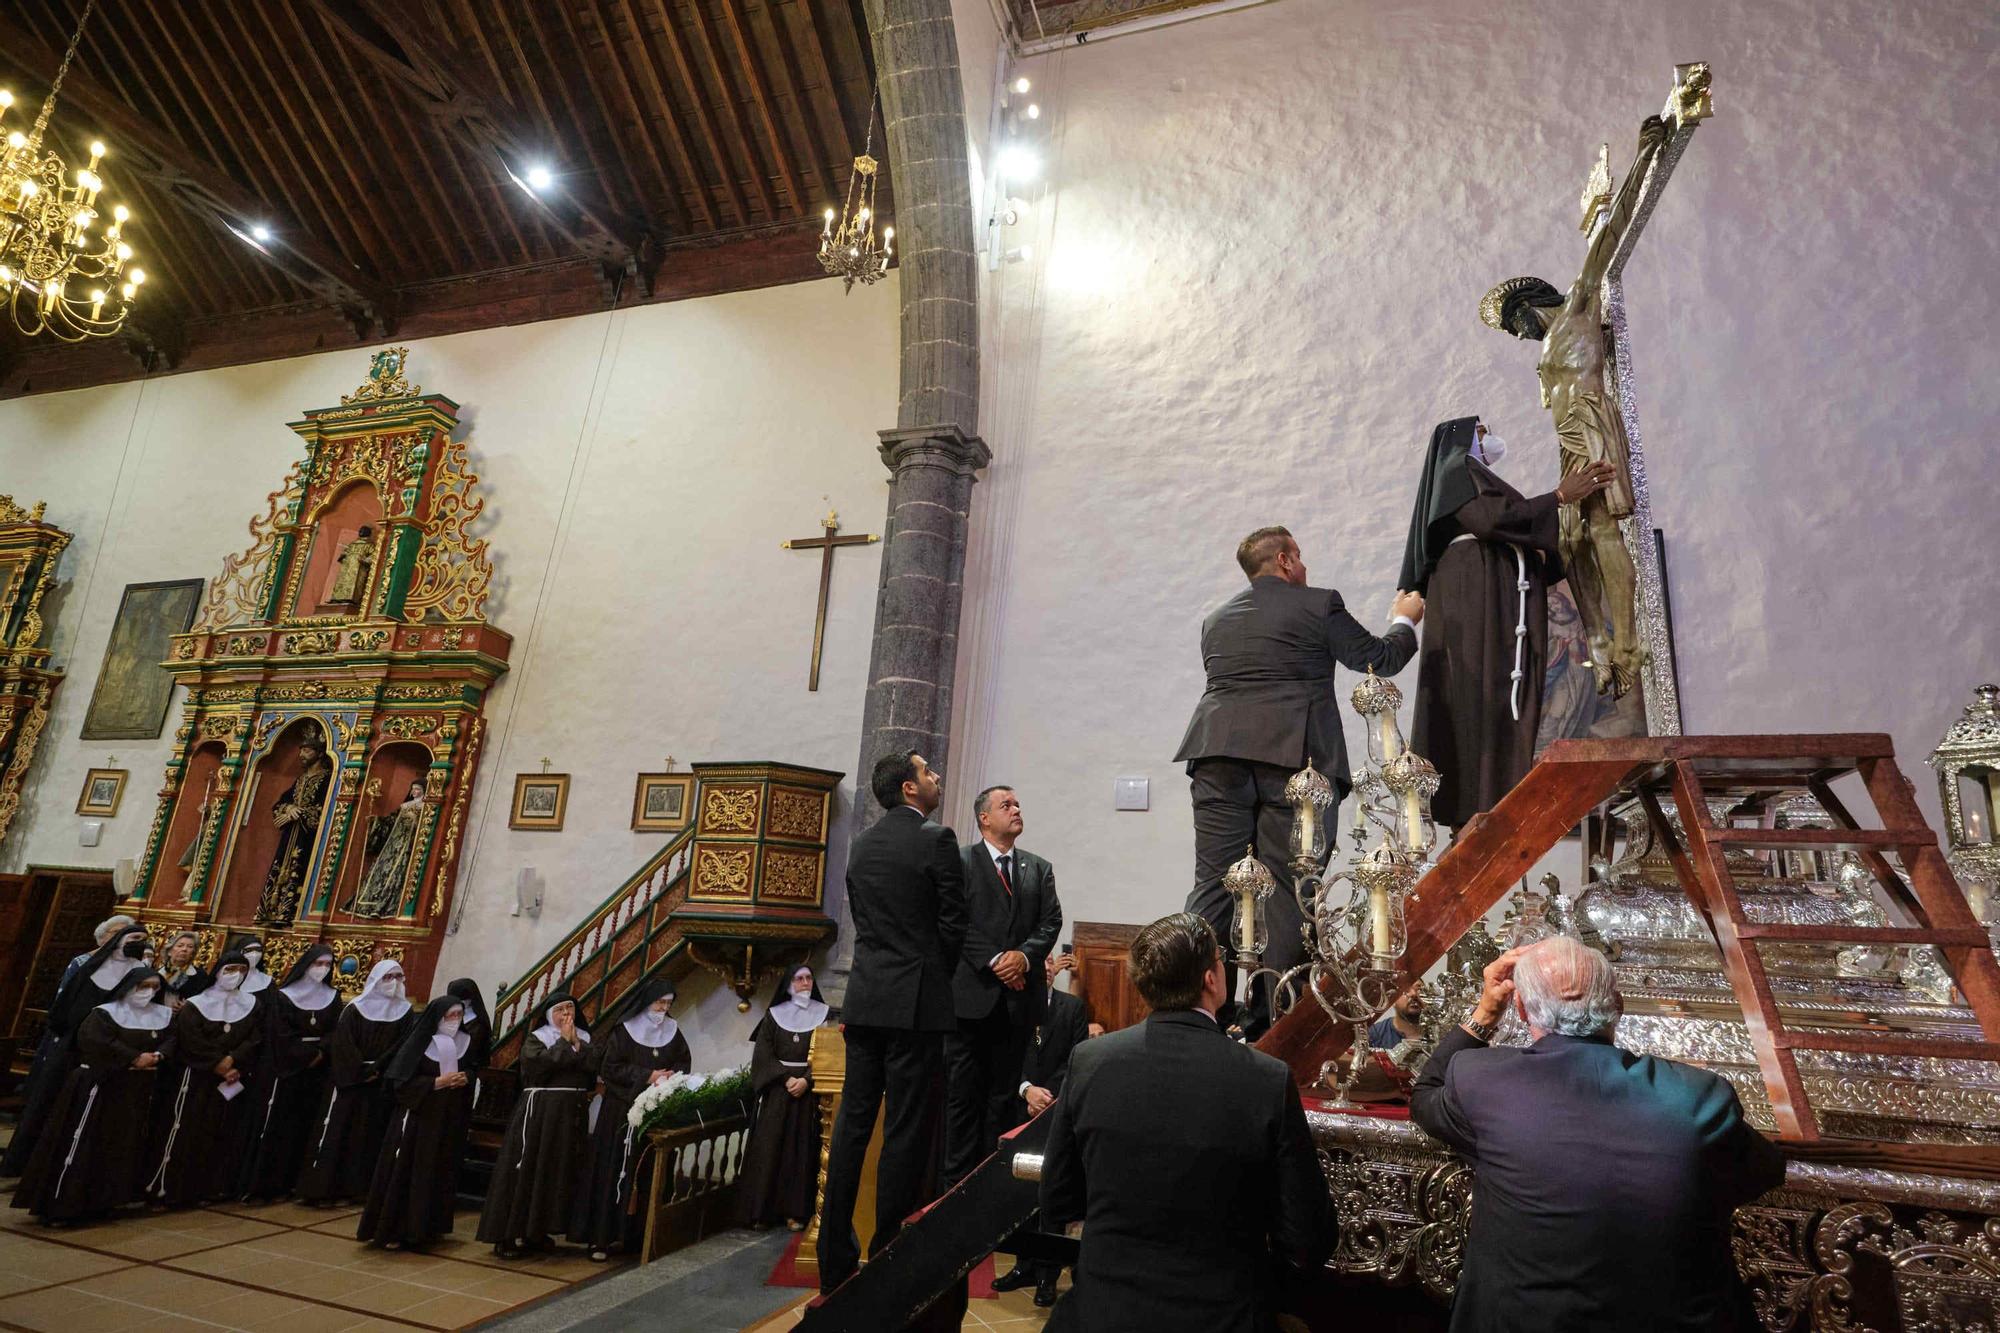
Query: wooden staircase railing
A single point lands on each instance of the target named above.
(1574, 777)
(625, 940)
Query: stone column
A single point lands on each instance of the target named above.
(933, 453)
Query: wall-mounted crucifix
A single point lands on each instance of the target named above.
(826, 544)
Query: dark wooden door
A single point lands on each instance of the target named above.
(1103, 980)
(46, 919)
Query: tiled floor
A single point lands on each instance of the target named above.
(1010, 1312)
(257, 1267)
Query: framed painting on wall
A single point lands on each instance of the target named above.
(103, 788)
(663, 802)
(129, 702)
(540, 801)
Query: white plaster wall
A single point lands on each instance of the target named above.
(640, 467)
(1258, 267)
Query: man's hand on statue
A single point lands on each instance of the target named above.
(1585, 482)
(795, 1086)
(1038, 1099)
(1409, 604)
(1497, 989)
(1012, 969)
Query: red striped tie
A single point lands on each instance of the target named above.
(1006, 880)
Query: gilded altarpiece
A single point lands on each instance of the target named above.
(30, 550)
(321, 776)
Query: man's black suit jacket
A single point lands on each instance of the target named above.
(1029, 920)
(1270, 652)
(906, 892)
(1188, 1158)
(1064, 1026)
(1603, 1188)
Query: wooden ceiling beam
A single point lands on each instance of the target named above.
(718, 151)
(457, 13)
(656, 82)
(811, 127)
(648, 132)
(758, 178)
(401, 42)
(766, 104)
(571, 67)
(198, 186)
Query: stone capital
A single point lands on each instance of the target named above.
(944, 446)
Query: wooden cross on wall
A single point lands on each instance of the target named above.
(826, 544)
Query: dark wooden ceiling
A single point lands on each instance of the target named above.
(694, 145)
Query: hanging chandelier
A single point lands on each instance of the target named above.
(58, 275)
(849, 250)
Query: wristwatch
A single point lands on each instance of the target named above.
(1480, 1031)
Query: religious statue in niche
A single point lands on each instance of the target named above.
(200, 823)
(1589, 426)
(356, 559)
(391, 840)
(297, 816)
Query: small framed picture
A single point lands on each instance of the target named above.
(540, 801)
(103, 788)
(663, 802)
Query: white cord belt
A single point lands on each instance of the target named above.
(1520, 622)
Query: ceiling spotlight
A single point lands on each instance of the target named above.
(539, 177)
(1034, 111)
(1021, 85)
(1018, 163)
(259, 232)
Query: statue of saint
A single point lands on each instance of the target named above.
(392, 839)
(1589, 428)
(297, 817)
(356, 559)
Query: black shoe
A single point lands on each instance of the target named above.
(1020, 1275)
(1045, 1288)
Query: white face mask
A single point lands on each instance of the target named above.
(1491, 449)
(392, 987)
(253, 956)
(229, 980)
(658, 1012)
(317, 972)
(139, 999)
(471, 1016)
(447, 1027)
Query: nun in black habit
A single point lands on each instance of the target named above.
(478, 1028)
(252, 949)
(299, 1021)
(782, 1167)
(1483, 555)
(89, 986)
(533, 1191)
(641, 1047)
(209, 1102)
(92, 1157)
(345, 1136)
(410, 1201)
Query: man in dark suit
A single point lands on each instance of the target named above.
(1270, 708)
(1012, 919)
(1187, 1157)
(906, 891)
(1604, 1181)
(1065, 1024)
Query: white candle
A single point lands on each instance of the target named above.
(1385, 724)
(1413, 815)
(1975, 897)
(1378, 918)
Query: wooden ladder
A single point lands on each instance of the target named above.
(1924, 896)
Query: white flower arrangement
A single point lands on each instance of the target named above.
(684, 1095)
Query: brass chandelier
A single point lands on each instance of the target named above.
(57, 275)
(849, 250)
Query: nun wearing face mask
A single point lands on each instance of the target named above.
(299, 1021)
(259, 981)
(90, 985)
(546, 1154)
(782, 1167)
(92, 1158)
(1483, 555)
(344, 1138)
(642, 1046)
(410, 1201)
(207, 1110)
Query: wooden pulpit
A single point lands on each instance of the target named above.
(827, 1062)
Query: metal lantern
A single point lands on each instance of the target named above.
(1250, 883)
(1377, 701)
(1310, 796)
(1967, 761)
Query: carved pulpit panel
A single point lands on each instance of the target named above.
(336, 675)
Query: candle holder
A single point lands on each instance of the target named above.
(1250, 883)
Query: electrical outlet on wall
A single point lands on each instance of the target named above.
(1131, 794)
(91, 833)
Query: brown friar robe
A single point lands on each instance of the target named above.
(1464, 719)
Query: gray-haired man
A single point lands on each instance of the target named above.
(1604, 1181)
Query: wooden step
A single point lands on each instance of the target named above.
(1965, 937)
(1822, 839)
(1857, 1044)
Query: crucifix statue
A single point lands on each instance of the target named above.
(1586, 382)
(826, 545)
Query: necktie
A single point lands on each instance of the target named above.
(1006, 865)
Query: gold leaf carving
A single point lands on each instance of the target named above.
(452, 573)
(721, 872)
(729, 810)
(791, 876)
(311, 641)
(797, 814)
(237, 596)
